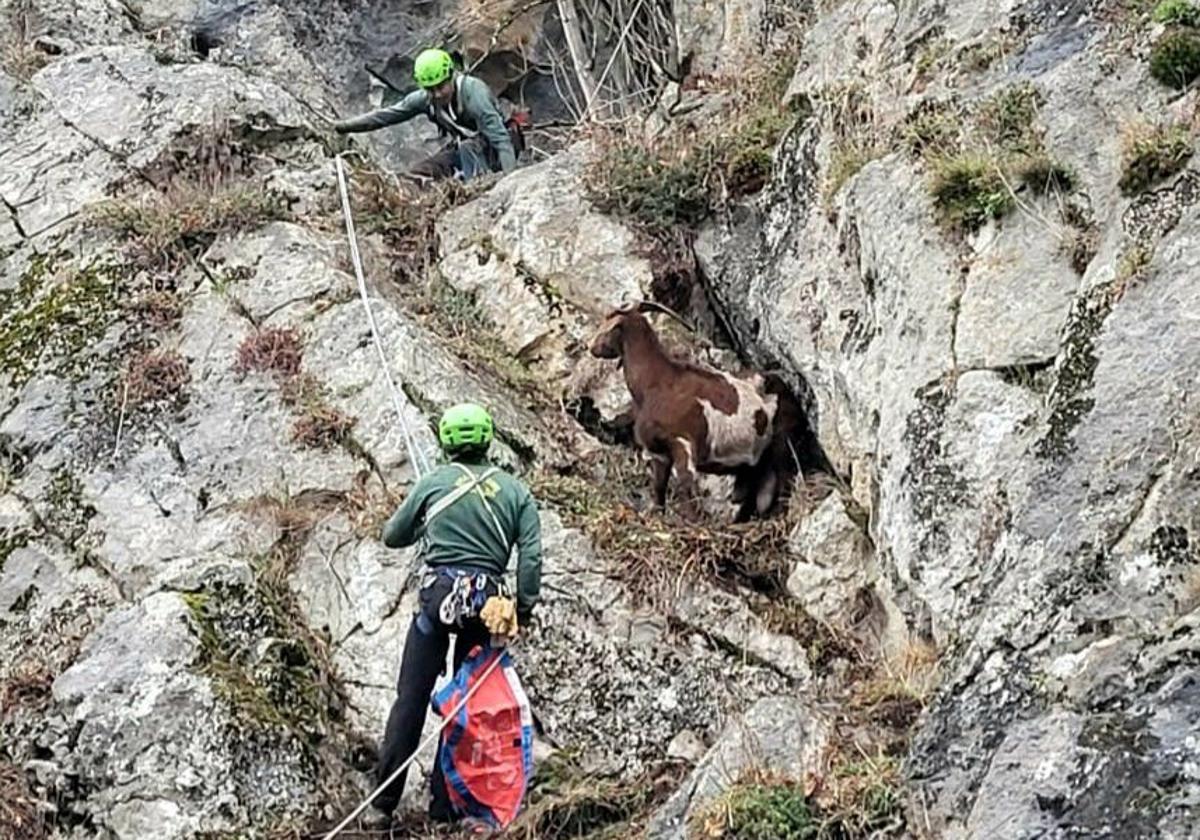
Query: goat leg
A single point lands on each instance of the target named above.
(743, 493)
(661, 469)
(685, 474)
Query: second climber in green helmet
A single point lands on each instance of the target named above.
(468, 517)
(463, 108)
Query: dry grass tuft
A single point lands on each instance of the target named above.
(857, 136)
(901, 687)
(20, 816)
(655, 554)
(158, 309)
(369, 505)
(323, 427)
(164, 227)
(1152, 153)
(276, 350)
(682, 178)
(155, 376)
(294, 516)
(206, 186)
(564, 802)
(20, 54)
(27, 688)
(406, 215)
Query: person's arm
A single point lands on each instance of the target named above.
(405, 526)
(479, 102)
(529, 559)
(410, 106)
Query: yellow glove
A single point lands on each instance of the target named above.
(500, 616)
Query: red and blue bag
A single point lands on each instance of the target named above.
(486, 751)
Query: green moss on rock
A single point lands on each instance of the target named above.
(259, 657)
(51, 320)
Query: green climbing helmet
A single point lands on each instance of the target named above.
(432, 68)
(465, 424)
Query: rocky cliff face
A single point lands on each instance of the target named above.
(973, 259)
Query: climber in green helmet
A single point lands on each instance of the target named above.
(468, 517)
(463, 108)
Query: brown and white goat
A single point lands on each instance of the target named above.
(694, 418)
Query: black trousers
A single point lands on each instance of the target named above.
(424, 659)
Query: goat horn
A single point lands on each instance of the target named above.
(652, 306)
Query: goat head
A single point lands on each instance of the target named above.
(606, 343)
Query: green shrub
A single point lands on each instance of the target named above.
(1175, 60)
(1153, 153)
(639, 183)
(968, 190)
(765, 811)
(679, 181)
(1181, 12)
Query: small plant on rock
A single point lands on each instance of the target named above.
(932, 130)
(155, 376)
(20, 56)
(850, 119)
(1182, 12)
(1175, 59)
(159, 310)
(969, 190)
(322, 427)
(20, 816)
(276, 350)
(1152, 153)
(1008, 119)
(762, 809)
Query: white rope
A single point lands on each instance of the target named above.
(428, 740)
(415, 455)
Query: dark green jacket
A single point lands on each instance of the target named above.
(474, 107)
(464, 534)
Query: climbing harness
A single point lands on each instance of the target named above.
(418, 459)
(449, 718)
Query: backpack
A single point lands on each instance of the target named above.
(486, 752)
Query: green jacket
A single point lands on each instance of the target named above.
(464, 534)
(474, 107)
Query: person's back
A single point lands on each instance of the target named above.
(478, 530)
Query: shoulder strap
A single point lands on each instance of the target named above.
(448, 120)
(462, 490)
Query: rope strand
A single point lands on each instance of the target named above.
(415, 455)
